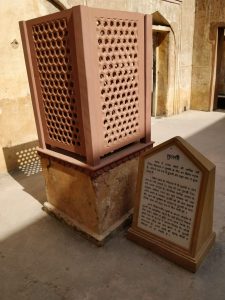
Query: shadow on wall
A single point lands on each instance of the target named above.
(23, 157)
(24, 165)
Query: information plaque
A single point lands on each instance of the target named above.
(173, 213)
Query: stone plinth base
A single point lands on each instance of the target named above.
(98, 239)
(95, 203)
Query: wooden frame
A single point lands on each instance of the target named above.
(202, 236)
(94, 140)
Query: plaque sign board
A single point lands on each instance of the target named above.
(173, 213)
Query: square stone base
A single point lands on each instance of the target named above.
(97, 239)
(95, 204)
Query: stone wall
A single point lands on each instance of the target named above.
(187, 33)
(208, 17)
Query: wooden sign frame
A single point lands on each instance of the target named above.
(202, 237)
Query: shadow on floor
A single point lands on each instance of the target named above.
(33, 184)
(210, 141)
(48, 261)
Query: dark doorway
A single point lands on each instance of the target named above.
(219, 93)
(160, 70)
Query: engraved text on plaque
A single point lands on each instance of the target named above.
(169, 196)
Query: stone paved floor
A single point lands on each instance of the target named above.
(40, 258)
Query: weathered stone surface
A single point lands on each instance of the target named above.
(95, 205)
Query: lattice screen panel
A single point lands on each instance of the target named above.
(118, 68)
(57, 84)
(87, 77)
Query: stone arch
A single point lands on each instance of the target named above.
(159, 19)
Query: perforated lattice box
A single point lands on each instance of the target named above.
(88, 71)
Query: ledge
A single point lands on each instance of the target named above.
(106, 163)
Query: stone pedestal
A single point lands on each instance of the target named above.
(94, 201)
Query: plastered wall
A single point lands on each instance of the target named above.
(186, 53)
(16, 115)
